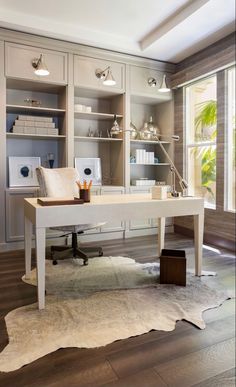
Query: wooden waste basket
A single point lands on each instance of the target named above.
(173, 267)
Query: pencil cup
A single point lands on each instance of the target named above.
(84, 194)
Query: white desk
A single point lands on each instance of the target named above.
(104, 209)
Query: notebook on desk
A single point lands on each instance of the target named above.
(59, 201)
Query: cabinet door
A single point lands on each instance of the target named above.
(142, 223)
(139, 82)
(169, 222)
(113, 226)
(84, 73)
(15, 213)
(95, 190)
(18, 63)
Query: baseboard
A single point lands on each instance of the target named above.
(3, 246)
(147, 231)
(93, 237)
(102, 236)
(19, 245)
(210, 239)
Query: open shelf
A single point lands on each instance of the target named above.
(33, 109)
(95, 139)
(149, 142)
(143, 98)
(35, 136)
(96, 116)
(156, 164)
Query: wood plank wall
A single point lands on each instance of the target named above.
(219, 224)
(210, 59)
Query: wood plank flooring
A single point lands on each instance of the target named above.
(184, 357)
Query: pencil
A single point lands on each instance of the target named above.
(79, 185)
(90, 184)
(85, 184)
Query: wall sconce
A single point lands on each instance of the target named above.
(163, 88)
(108, 79)
(152, 82)
(40, 66)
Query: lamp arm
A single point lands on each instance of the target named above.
(181, 180)
(103, 71)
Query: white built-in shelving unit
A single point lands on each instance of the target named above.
(72, 82)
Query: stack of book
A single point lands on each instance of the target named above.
(143, 182)
(35, 125)
(143, 157)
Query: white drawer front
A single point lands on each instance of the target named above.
(84, 73)
(18, 63)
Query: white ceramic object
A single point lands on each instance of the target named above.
(159, 192)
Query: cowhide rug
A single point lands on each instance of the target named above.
(91, 306)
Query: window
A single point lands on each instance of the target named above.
(200, 134)
(230, 142)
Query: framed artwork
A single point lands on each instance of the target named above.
(22, 171)
(89, 169)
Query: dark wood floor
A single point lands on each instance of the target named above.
(184, 357)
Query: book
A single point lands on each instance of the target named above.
(35, 130)
(23, 117)
(39, 124)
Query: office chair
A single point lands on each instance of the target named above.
(61, 182)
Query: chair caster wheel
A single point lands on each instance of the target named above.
(100, 254)
(86, 263)
(54, 262)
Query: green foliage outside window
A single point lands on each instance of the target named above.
(207, 118)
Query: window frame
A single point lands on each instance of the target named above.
(190, 145)
(228, 151)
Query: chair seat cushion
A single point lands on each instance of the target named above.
(78, 228)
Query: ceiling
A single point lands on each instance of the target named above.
(167, 30)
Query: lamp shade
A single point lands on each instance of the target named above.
(40, 67)
(164, 88)
(109, 79)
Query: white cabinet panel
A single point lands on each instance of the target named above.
(18, 63)
(15, 213)
(139, 224)
(169, 222)
(139, 82)
(95, 190)
(84, 73)
(113, 226)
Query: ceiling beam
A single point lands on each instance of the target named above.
(171, 22)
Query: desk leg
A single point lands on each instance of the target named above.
(198, 241)
(161, 234)
(28, 247)
(40, 258)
